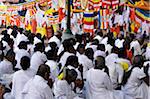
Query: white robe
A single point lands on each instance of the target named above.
(19, 54)
(99, 53)
(20, 78)
(37, 59)
(53, 68)
(37, 88)
(98, 85)
(64, 57)
(6, 67)
(63, 90)
(119, 43)
(137, 47)
(56, 40)
(86, 63)
(135, 88)
(115, 70)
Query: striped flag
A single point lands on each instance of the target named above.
(106, 4)
(95, 4)
(88, 21)
(103, 18)
(115, 4)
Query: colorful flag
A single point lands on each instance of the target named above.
(103, 18)
(88, 21)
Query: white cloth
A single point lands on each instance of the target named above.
(86, 63)
(37, 59)
(6, 67)
(119, 43)
(64, 57)
(137, 48)
(20, 78)
(99, 53)
(36, 40)
(115, 70)
(63, 90)
(147, 53)
(134, 88)
(19, 54)
(37, 88)
(104, 41)
(99, 38)
(98, 85)
(146, 28)
(108, 48)
(53, 68)
(56, 40)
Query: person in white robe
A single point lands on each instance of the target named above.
(68, 51)
(147, 53)
(115, 70)
(86, 62)
(6, 66)
(136, 46)
(21, 77)
(37, 87)
(98, 83)
(51, 62)
(56, 38)
(134, 85)
(100, 51)
(63, 89)
(20, 53)
(38, 57)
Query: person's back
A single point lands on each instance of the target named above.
(37, 87)
(21, 77)
(98, 82)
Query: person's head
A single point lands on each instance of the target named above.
(39, 36)
(95, 42)
(70, 75)
(81, 48)
(89, 53)
(44, 71)
(53, 45)
(39, 47)
(14, 33)
(22, 45)
(68, 46)
(99, 62)
(115, 50)
(58, 34)
(78, 38)
(51, 55)
(25, 62)
(10, 55)
(122, 53)
(138, 61)
(100, 33)
(73, 61)
(101, 47)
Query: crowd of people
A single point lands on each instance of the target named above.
(84, 67)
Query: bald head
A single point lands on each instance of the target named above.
(44, 71)
(99, 62)
(138, 60)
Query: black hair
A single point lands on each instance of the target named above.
(101, 47)
(22, 45)
(51, 55)
(89, 53)
(25, 62)
(71, 60)
(14, 33)
(39, 47)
